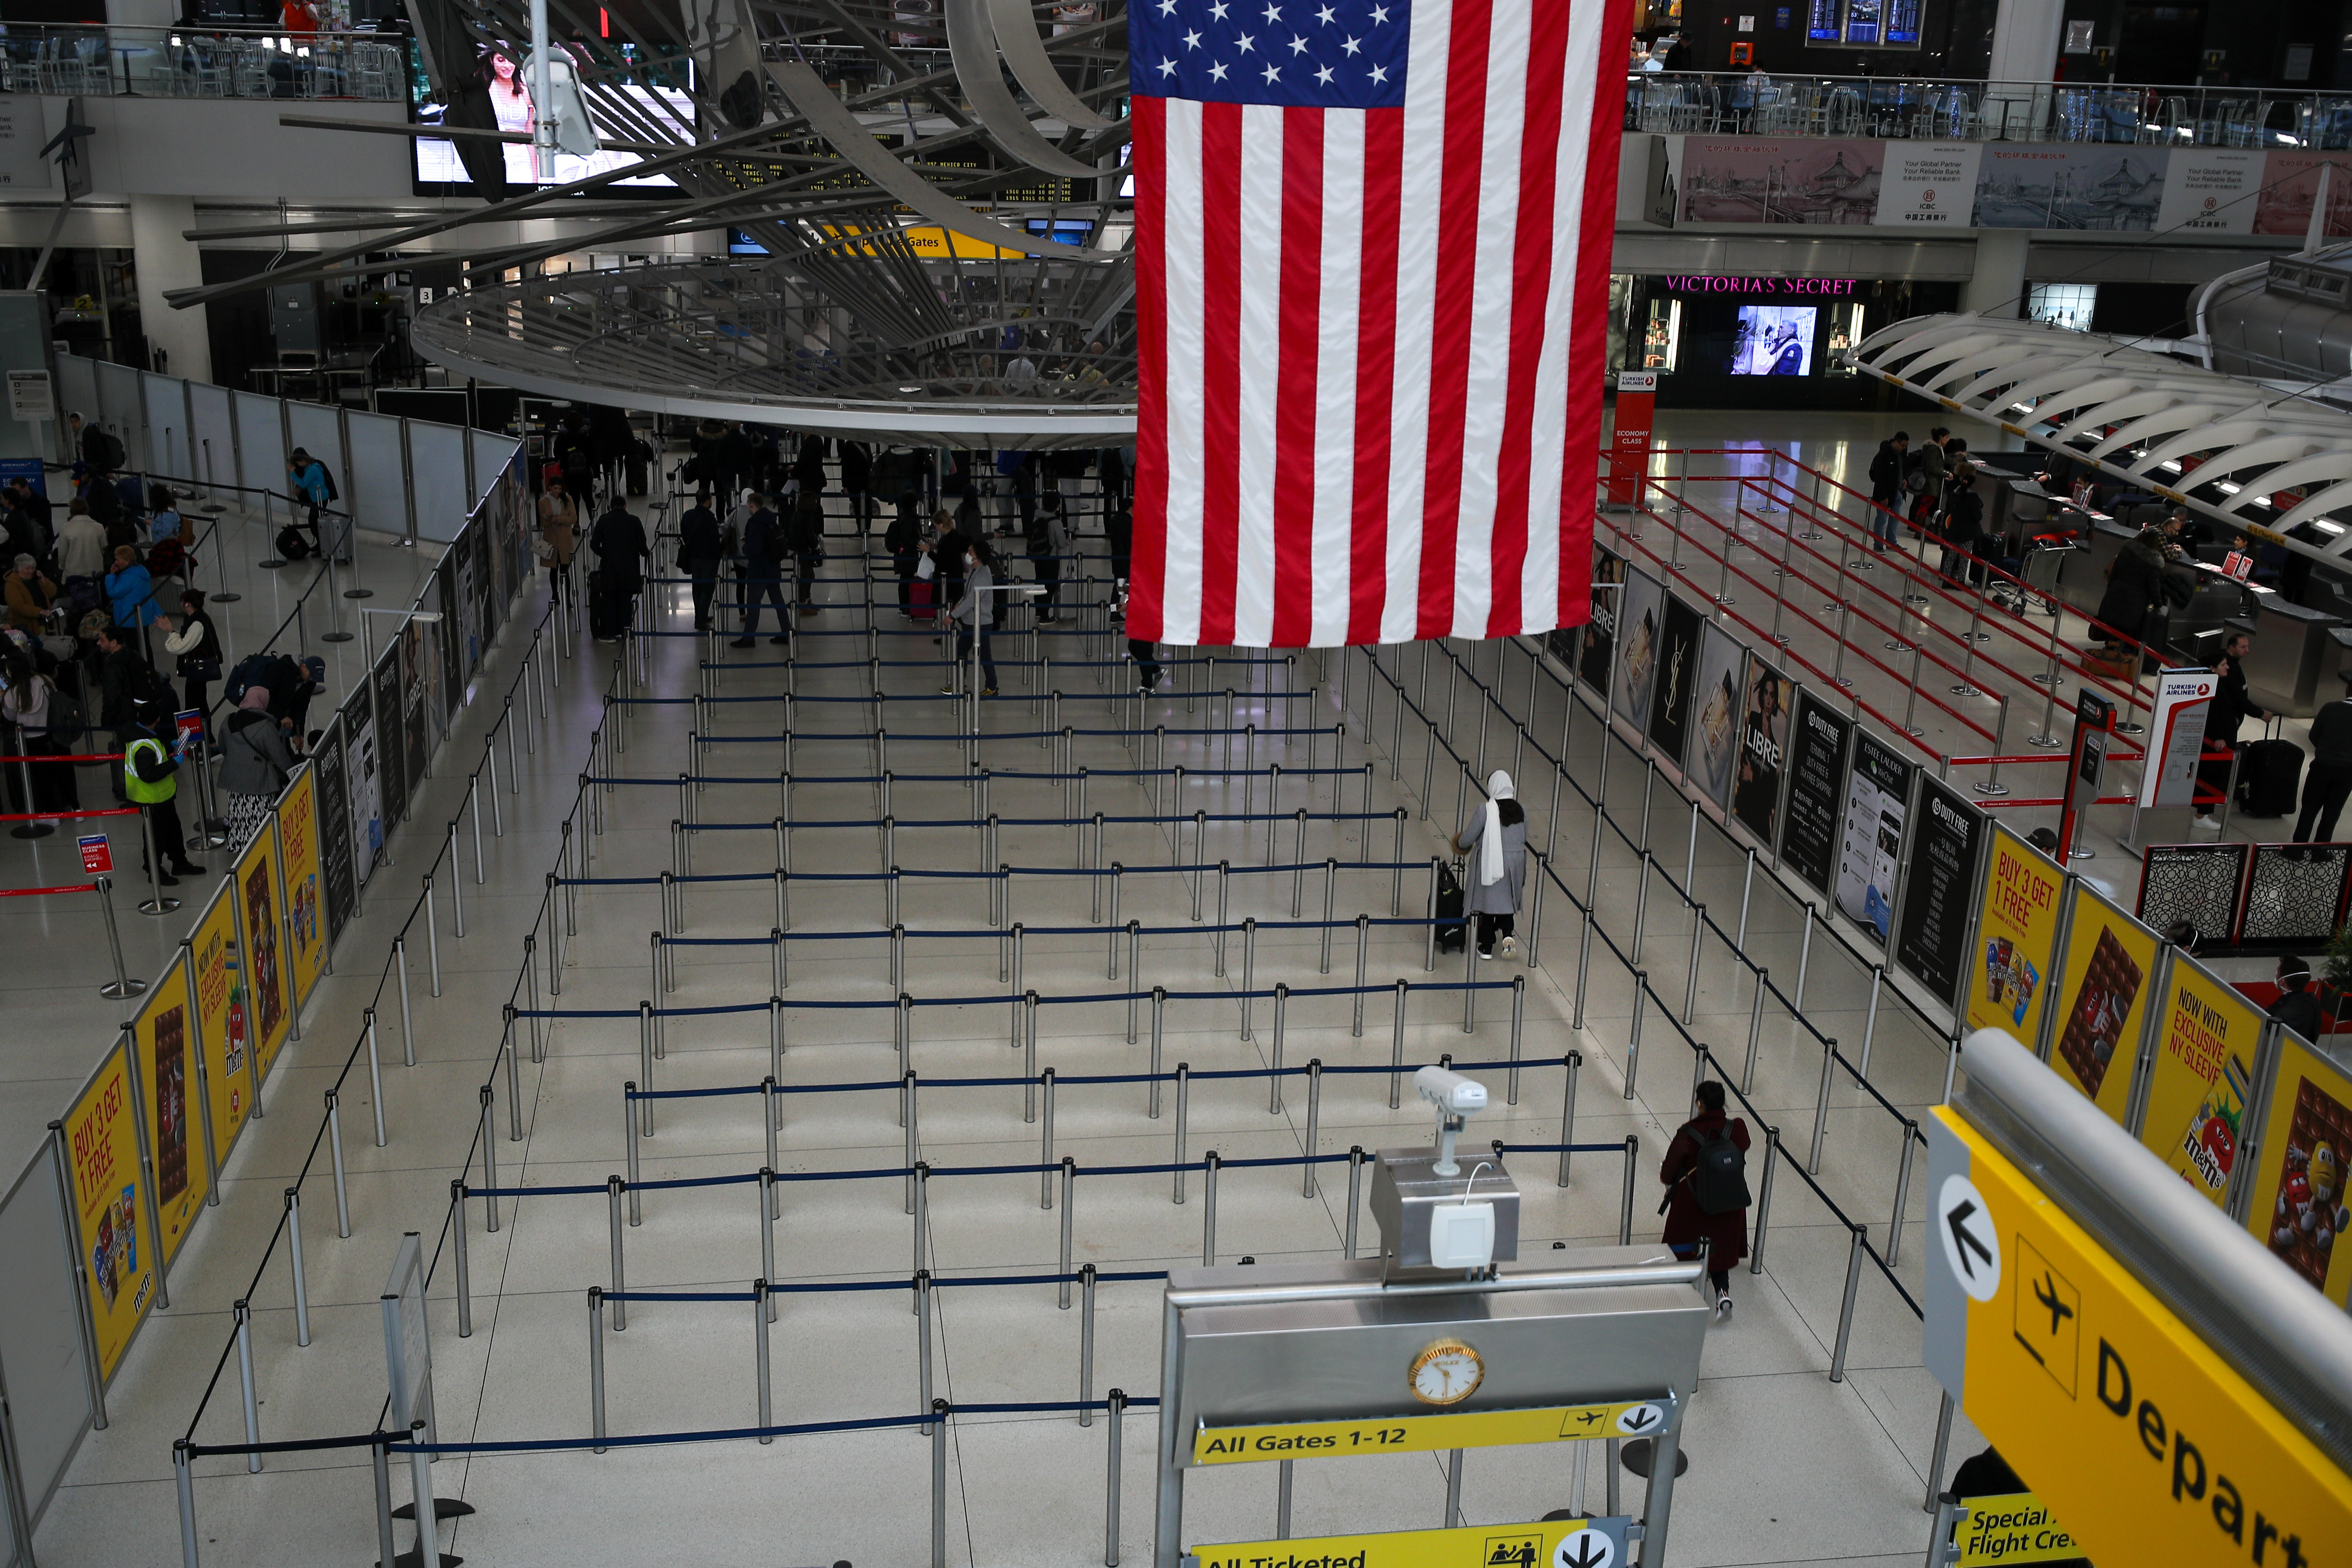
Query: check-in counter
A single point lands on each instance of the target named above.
(2291, 669)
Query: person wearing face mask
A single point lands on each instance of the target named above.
(970, 616)
(1500, 829)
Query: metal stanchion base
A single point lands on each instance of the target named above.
(121, 990)
(2126, 727)
(334, 636)
(31, 830)
(271, 565)
(1965, 690)
(442, 1507)
(212, 509)
(1990, 791)
(2082, 855)
(1915, 599)
(2051, 681)
(1914, 730)
(1635, 1457)
(222, 598)
(158, 906)
(1725, 600)
(1844, 682)
(414, 1558)
(1895, 647)
(359, 593)
(2046, 743)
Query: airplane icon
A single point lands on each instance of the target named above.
(2046, 1292)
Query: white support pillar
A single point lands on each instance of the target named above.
(1997, 288)
(165, 259)
(2025, 39)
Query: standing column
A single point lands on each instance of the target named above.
(161, 259)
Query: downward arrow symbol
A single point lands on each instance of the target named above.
(1637, 1419)
(1585, 1550)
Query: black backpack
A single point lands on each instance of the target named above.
(1718, 1173)
(111, 447)
(248, 673)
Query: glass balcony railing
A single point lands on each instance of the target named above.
(201, 62)
(1757, 104)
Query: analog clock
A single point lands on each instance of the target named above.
(1447, 1372)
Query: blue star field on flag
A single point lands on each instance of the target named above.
(1302, 54)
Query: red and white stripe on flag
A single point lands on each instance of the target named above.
(1371, 338)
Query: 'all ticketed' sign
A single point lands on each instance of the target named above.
(2133, 1430)
(96, 856)
(1551, 1544)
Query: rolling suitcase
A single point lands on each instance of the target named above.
(2268, 772)
(918, 598)
(1450, 923)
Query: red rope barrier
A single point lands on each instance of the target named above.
(28, 892)
(70, 757)
(66, 815)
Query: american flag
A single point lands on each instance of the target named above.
(1373, 256)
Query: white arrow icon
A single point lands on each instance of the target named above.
(1971, 1246)
(1641, 1418)
(1586, 1548)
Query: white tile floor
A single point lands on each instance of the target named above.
(1020, 1487)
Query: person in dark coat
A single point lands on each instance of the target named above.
(1886, 489)
(2297, 1007)
(700, 548)
(857, 482)
(2229, 708)
(2328, 784)
(619, 540)
(762, 573)
(1687, 1224)
(904, 540)
(2134, 584)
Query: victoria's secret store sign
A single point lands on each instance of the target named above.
(1761, 285)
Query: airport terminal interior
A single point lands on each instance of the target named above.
(958, 782)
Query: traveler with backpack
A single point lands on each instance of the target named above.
(1706, 1176)
(857, 482)
(804, 536)
(148, 782)
(1886, 488)
(1922, 476)
(763, 572)
(1499, 832)
(311, 489)
(904, 540)
(1043, 538)
(255, 762)
(193, 641)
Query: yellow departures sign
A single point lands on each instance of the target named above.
(2148, 1444)
(1552, 1543)
(1427, 1434)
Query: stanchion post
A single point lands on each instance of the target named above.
(1764, 1201)
(1845, 1309)
(1570, 1064)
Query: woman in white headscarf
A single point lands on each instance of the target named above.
(1495, 841)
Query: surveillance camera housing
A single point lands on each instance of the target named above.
(1450, 1091)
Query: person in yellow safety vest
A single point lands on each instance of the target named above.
(148, 781)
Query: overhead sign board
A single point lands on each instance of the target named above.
(1550, 1543)
(2131, 1427)
(1429, 1434)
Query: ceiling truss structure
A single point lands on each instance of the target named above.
(834, 134)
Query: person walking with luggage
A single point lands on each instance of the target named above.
(762, 573)
(904, 540)
(307, 476)
(148, 782)
(2229, 708)
(1924, 480)
(1886, 489)
(1706, 1176)
(2329, 782)
(256, 762)
(1499, 830)
(804, 537)
(701, 546)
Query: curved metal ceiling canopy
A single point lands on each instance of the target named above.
(1016, 35)
(972, 44)
(711, 341)
(2231, 448)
